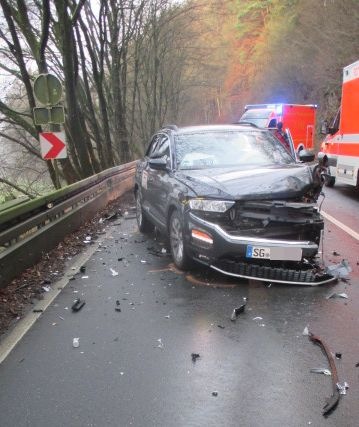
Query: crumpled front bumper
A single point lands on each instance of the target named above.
(227, 254)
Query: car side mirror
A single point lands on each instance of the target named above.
(306, 156)
(324, 128)
(159, 163)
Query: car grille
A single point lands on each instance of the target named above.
(305, 274)
(271, 219)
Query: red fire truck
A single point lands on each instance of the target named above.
(297, 120)
(341, 145)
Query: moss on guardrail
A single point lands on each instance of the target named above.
(58, 195)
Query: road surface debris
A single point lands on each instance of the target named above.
(338, 295)
(76, 342)
(333, 401)
(194, 357)
(340, 270)
(78, 304)
(113, 272)
(320, 371)
(343, 388)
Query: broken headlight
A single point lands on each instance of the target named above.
(208, 205)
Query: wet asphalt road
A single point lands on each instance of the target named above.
(122, 375)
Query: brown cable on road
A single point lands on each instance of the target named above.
(333, 401)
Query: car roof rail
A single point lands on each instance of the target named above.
(244, 123)
(173, 127)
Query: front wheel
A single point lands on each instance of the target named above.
(144, 225)
(330, 181)
(177, 244)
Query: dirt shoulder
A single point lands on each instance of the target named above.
(18, 297)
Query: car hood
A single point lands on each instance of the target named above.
(267, 182)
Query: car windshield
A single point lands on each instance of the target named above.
(218, 149)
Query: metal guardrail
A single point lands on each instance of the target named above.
(35, 227)
(15, 202)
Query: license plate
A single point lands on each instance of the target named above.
(257, 252)
(274, 253)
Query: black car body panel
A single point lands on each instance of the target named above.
(272, 227)
(247, 183)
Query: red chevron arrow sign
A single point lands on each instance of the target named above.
(53, 145)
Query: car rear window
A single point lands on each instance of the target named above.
(209, 149)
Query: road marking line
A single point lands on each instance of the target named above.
(8, 343)
(339, 224)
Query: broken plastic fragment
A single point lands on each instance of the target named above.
(84, 277)
(237, 311)
(76, 342)
(338, 355)
(215, 393)
(337, 295)
(78, 304)
(321, 371)
(46, 288)
(258, 318)
(342, 388)
(113, 272)
(195, 356)
(160, 345)
(339, 270)
(164, 250)
(143, 261)
(305, 331)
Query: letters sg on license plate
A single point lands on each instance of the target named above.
(257, 252)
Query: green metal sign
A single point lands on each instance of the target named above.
(52, 115)
(48, 89)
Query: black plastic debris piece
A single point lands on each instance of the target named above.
(78, 304)
(45, 282)
(37, 310)
(237, 311)
(357, 365)
(120, 259)
(112, 216)
(335, 253)
(215, 393)
(195, 356)
(117, 308)
(338, 355)
(83, 268)
(221, 326)
(72, 278)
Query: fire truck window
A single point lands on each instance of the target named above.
(273, 123)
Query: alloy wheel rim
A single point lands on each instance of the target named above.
(176, 236)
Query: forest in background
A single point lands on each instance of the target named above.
(130, 66)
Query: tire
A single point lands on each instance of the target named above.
(330, 181)
(177, 243)
(144, 225)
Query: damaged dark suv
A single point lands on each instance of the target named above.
(233, 198)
